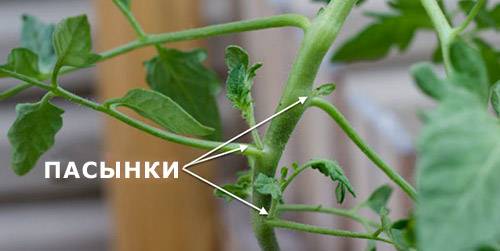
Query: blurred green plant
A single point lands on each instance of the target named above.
(458, 173)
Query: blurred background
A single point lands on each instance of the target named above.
(39, 214)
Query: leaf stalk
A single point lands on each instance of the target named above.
(318, 230)
(363, 146)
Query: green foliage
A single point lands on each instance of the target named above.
(73, 43)
(240, 78)
(333, 170)
(486, 18)
(489, 248)
(459, 145)
(495, 98)
(458, 165)
(268, 186)
(468, 72)
(453, 148)
(491, 57)
(23, 61)
(242, 188)
(182, 77)
(164, 111)
(284, 173)
(33, 133)
(379, 198)
(324, 90)
(428, 82)
(402, 232)
(389, 29)
(37, 37)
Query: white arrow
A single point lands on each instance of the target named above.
(301, 100)
(262, 211)
(241, 149)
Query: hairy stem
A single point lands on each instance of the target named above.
(172, 137)
(318, 230)
(250, 118)
(279, 21)
(296, 173)
(442, 26)
(334, 211)
(286, 20)
(317, 40)
(363, 146)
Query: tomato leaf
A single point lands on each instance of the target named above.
(242, 188)
(240, 78)
(73, 43)
(182, 77)
(324, 90)
(37, 37)
(379, 198)
(402, 232)
(23, 61)
(469, 70)
(268, 186)
(495, 98)
(491, 58)
(393, 29)
(33, 133)
(428, 82)
(164, 111)
(458, 176)
(333, 170)
(485, 18)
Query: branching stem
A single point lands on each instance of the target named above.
(470, 17)
(106, 109)
(363, 146)
(318, 230)
(334, 211)
(13, 91)
(442, 26)
(286, 20)
(131, 19)
(318, 38)
(250, 118)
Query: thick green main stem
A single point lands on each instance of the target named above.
(317, 40)
(363, 146)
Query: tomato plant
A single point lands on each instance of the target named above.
(457, 206)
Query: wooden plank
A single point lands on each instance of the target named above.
(151, 214)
